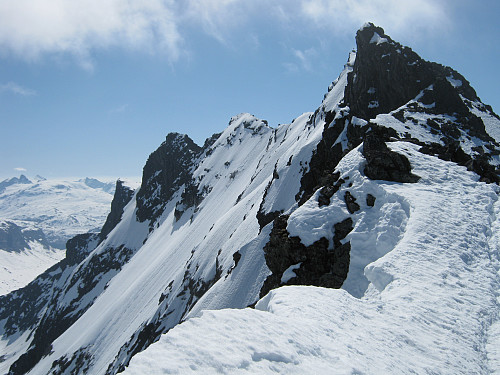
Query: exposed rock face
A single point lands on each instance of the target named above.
(387, 75)
(384, 164)
(342, 229)
(325, 158)
(320, 265)
(370, 200)
(123, 195)
(167, 169)
(78, 247)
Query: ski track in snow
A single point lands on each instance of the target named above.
(434, 309)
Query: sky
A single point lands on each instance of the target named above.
(89, 88)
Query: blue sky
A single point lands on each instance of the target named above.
(92, 87)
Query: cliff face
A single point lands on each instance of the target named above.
(166, 170)
(254, 209)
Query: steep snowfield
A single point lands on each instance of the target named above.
(431, 304)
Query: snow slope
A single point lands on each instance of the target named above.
(430, 308)
(18, 268)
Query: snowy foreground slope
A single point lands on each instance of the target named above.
(409, 234)
(429, 307)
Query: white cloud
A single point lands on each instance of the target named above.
(402, 16)
(29, 29)
(14, 88)
(20, 169)
(305, 57)
(119, 109)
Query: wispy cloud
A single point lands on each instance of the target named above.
(402, 16)
(31, 29)
(119, 109)
(305, 57)
(14, 88)
(20, 169)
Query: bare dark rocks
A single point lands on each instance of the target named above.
(342, 229)
(78, 247)
(166, 170)
(320, 265)
(384, 164)
(350, 202)
(236, 258)
(370, 200)
(323, 161)
(385, 76)
(123, 195)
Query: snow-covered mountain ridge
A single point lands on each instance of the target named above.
(328, 201)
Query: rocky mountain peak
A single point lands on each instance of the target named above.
(165, 171)
(14, 180)
(385, 75)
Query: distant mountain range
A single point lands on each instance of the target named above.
(38, 216)
(362, 238)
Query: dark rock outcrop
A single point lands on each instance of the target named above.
(384, 164)
(350, 202)
(123, 195)
(166, 170)
(370, 200)
(324, 160)
(78, 247)
(387, 75)
(342, 229)
(319, 264)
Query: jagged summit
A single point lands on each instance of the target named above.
(387, 75)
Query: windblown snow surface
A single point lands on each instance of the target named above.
(425, 262)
